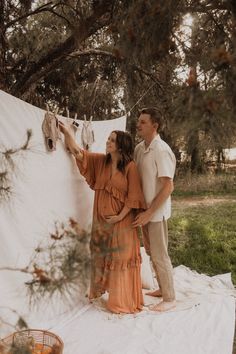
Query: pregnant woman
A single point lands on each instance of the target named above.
(114, 245)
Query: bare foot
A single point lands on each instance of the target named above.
(163, 306)
(156, 293)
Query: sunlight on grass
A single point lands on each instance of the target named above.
(183, 223)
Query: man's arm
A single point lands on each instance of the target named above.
(166, 190)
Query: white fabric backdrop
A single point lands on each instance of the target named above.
(48, 187)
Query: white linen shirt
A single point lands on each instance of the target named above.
(157, 160)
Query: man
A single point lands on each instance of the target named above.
(156, 164)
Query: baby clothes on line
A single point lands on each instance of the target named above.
(51, 131)
(87, 135)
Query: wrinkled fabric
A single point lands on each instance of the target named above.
(50, 130)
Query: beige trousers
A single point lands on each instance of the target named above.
(156, 242)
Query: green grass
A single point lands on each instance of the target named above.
(204, 237)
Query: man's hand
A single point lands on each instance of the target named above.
(142, 218)
(166, 189)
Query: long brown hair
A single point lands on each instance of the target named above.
(125, 146)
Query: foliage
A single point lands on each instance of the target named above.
(204, 238)
(62, 266)
(17, 325)
(7, 169)
(8, 166)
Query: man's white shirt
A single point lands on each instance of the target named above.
(157, 160)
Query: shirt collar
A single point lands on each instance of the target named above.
(151, 146)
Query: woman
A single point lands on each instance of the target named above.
(115, 245)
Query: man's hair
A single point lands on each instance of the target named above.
(155, 116)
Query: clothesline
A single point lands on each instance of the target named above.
(130, 110)
(127, 113)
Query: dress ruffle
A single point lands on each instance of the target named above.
(122, 196)
(112, 264)
(134, 204)
(116, 193)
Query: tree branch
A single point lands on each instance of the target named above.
(44, 8)
(36, 11)
(22, 270)
(90, 52)
(204, 8)
(79, 53)
(53, 59)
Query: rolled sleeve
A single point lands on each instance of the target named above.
(166, 163)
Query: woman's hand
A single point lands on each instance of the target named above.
(70, 143)
(112, 219)
(63, 128)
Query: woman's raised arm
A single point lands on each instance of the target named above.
(70, 142)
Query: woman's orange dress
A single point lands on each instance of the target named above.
(115, 249)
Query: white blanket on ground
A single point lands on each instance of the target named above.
(200, 324)
(47, 188)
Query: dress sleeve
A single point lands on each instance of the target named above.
(90, 166)
(135, 197)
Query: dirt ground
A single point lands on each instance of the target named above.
(198, 201)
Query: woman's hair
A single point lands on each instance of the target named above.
(155, 116)
(125, 146)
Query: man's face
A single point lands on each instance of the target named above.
(145, 127)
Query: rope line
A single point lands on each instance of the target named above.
(130, 110)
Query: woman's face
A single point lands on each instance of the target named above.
(111, 144)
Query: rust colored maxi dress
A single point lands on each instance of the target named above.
(115, 249)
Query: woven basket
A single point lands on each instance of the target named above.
(32, 341)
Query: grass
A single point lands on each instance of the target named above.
(207, 184)
(203, 237)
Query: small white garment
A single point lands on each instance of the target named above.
(87, 134)
(50, 130)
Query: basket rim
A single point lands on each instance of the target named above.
(33, 330)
